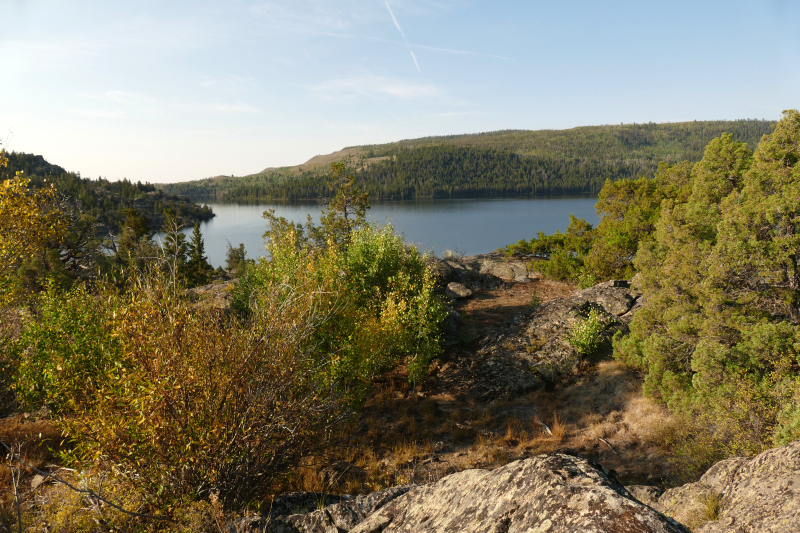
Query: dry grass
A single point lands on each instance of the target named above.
(37, 440)
(600, 413)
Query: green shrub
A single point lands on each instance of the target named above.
(586, 335)
(65, 356)
(586, 279)
(381, 295)
(561, 254)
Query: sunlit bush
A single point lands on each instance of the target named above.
(203, 402)
(380, 294)
(67, 355)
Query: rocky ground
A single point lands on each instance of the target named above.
(514, 431)
(510, 386)
(464, 451)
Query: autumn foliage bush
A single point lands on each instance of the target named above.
(187, 402)
(384, 310)
(30, 222)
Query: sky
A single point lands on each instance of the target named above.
(172, 91)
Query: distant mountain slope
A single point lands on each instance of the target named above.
(501, 163)
(103, 199)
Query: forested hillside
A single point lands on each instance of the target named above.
(503, 163)
(104, 200)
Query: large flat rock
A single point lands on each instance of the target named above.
(551, 493)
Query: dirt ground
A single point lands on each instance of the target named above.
(420, 434)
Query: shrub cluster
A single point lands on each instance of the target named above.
(385, 310)
(190, 402)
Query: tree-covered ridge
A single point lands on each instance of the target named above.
(503, 163)
(105, 201)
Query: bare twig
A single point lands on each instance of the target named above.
(16, 457)
(16, 474)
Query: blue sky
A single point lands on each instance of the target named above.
(172, 91)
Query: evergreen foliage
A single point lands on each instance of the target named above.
(236, 260)
(108, 203)
(504, 163)
(719, 334)
(713, 247)
(197, 268)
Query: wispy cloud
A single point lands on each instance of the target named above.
(302, 15)
(373, 87)
(131, 103)
(128, 97)
(98, 113)
(230, 83)
(457, 113)
(216, 107)
(461, 52)
(410, 51)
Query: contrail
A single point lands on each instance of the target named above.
(397, 24)
(395, 21)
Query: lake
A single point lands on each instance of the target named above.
(467, 226)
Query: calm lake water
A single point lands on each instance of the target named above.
(468, 226)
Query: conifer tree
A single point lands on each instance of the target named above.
(719, 333)
(198, 269)
(236, 259)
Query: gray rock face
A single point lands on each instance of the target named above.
(646, 494)
(549, 493)
(757, 495)
(551, 326)
(457, 290)
(535, 347)
(558, 493)
(312, 512)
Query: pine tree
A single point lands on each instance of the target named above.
(198, 269)
(236, 260)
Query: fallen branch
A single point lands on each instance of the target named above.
(544, 427)
(609, 445)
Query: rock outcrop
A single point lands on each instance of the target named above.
(457, 291)
(485, 271)
(213, 295)
(534, 348)
(738, 495)
(558, 492)
(551, 493)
